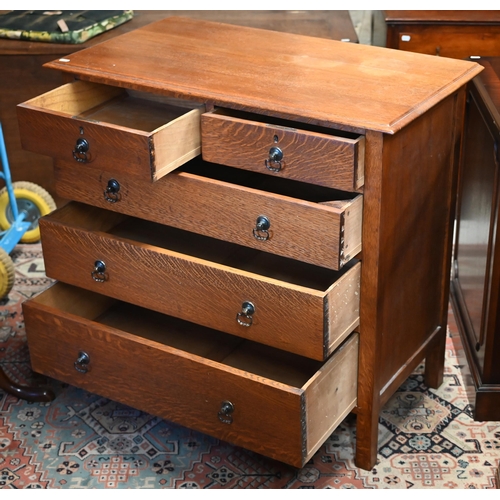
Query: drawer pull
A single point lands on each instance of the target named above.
(226, 411)
(273, 163)
(245, 317)
(99, 272)
(80, 151)
(261, 230)
(82, 362)
(112, 191)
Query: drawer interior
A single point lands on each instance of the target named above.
(149, 326)
(211, 250)
(133, 112)
(282, 186)
(120, 107)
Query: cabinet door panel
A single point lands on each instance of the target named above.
(479, 178)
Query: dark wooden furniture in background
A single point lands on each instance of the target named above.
(447, 33)
(476, 260)
(23, 76)
(293, 128)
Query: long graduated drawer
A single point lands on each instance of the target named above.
(98, 126)
(269, 299)
(312, 224)
(278, 404)
(285, 149)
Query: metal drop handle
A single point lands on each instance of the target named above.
(82, 362)
(261, 229)
(226, 412)
(245, 317)
(99, 273)
(81, 150)
(274, 162)
(112, 192)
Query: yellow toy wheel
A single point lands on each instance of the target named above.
(31, 199)
(7, 273)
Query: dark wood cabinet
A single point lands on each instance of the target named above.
(476, 261)
(447, 33)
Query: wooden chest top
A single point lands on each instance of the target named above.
(326, 82)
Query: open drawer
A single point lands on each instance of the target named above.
(103, 127)
(313, 224)
(263, 297)
(274, 403)
(282, 148)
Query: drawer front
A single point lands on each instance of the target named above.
(459, 42)
(304, 309)
(302, 155)
(99, 127)
(72, 335)
(325, 232)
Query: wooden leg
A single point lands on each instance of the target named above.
(367, 439)
(434, 360)
(29, 393)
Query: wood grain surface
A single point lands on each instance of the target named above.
(265, 410)
(206, 285)
(147, 138)
(215, 202)
(344, 85)
(316, 158)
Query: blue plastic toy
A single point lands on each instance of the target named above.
(21, 205)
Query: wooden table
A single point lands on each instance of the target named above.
(295, 271)
(476, 277)
(446, 33)
(23, 76)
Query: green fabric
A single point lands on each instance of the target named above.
(41, 26)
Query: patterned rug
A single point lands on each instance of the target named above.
(427, 438)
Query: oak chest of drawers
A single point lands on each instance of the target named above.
(258, 241)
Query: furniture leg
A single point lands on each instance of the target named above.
(434, 360)
(367, 438)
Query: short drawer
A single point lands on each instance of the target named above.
(102, 127)
(314, 155)
(317, 225)
(277, 404)
(270, 299)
